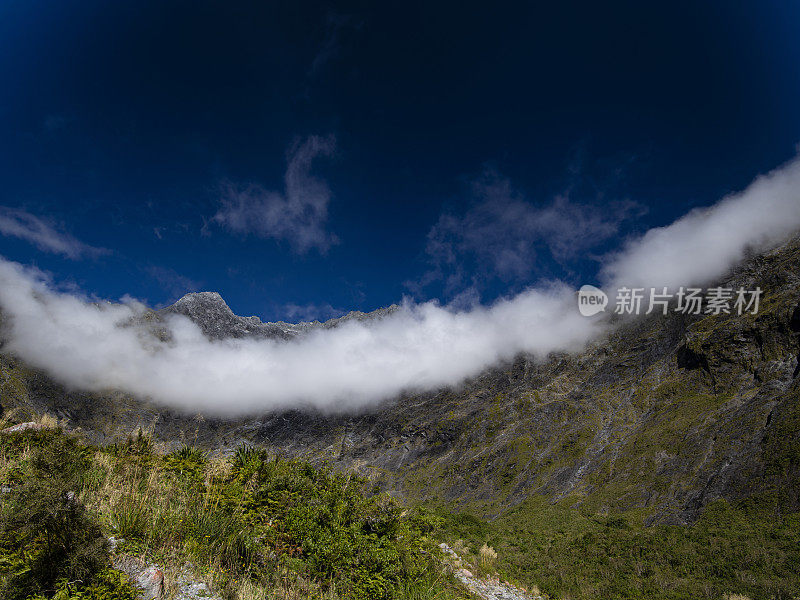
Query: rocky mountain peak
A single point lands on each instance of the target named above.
(667, 414)
(203, 302)
(202, 297)
(217, 321)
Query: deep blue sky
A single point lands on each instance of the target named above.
(125, 126)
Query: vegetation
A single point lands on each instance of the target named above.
(49, 543)
(253, 525)
(730, 551)
(256, 526)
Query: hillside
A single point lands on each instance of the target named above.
(79, 522)
(661, 462)
(665, 414)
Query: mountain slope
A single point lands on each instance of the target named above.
(664, 415)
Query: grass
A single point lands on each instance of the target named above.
(50, 545)
(486, 559)
(252, 525)
(255, 527)
(732, 551)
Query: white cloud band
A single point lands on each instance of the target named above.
(419, 347)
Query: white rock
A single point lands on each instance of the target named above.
(151, 580)
(23, 427)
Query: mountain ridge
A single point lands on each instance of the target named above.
(210, 312)
(664, 415)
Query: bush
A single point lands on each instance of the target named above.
(138, 445)
(46, 535)
(188, 460)
(251, 522)
(106, 585)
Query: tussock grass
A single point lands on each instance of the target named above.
(48, 421)
(486, 558)
(255, 522)
(9, 417)
(50, 544)
(252, 525)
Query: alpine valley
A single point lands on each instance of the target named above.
(661, 461)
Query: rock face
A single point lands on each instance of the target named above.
(487, 587)
(665, 415)
(217, 321)
(149, 578)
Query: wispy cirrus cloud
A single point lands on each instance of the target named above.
(298, 215)
(503, 235)
(44, 234)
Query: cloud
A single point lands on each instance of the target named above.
(359, 364)
(18, 223)
(297, 216)
(503, 236)
(356, 365)
(708, 241)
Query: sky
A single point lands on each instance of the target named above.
(305, 159)
(363, 363)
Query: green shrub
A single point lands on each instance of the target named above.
(254, 521)
(14, 444)
(46, 535)
(138, 445)
(569, 553)
(329, 521)
(249, 458)
(106, 585)
(187, 460)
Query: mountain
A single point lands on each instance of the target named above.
(663, 415)
(217, 321)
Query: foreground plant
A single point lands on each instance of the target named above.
(253, 525)
(49, 543)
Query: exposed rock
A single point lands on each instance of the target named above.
(152, 582)
(667, 414)
(29, 426)
(488, 587)
(493, 589)
(113, 542)
(217, 321)
(189, 589)
(147, 577)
